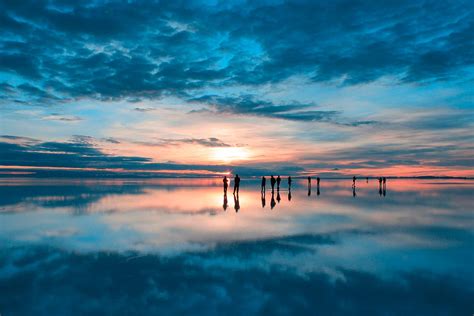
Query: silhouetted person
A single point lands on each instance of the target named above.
(236, 203)
(380, 189)
(354, 181)
(264, 183)
(289, 183)
(384, 181)
(272, 182)
(236, 184)
(272, 202)
(309, 181)
(226, 184)
(225, 205)
(367, 180)
(278, 183)
(278, 196)
(318, 180)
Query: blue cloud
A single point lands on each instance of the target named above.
(114, 50)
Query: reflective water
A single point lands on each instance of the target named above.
(177, 246)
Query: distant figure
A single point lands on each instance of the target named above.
(289, 183)
(278, 183)
(272, 182)
(272, 202)
(384, 180)
(226, 184)
(236, 184)
(236, 203)
(264, 183)
(278, 196)
(318, 180)
(225, 205)
(367, 180)
(354, 181)
(264, 201)
(354, 194)
(309, 181)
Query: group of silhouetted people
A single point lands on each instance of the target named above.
(277, 181)
(318, 180)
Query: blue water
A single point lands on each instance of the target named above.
(174, 246)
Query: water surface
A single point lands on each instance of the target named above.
(179, 246)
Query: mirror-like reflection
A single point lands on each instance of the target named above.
(343, 240)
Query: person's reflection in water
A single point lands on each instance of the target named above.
(278, 183)
(354, 181)
(309, 187)
(263, 199)
(272, 182)
(278, 196)
(225, 205)
(289, 183)
(264, 183)
(354, 194)
(272, 202)
(236, 202)
(226, 184)
(289, 194)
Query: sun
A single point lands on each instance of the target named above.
(229, 154)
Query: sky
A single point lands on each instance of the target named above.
(197, 88)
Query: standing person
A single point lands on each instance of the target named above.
(236, 184)
(309, 185)
(278, 183)
(226, 184)
(289, 183)
(264, 183)
(354, 181)
(272, 182)
(367, 180)
(317, 187)
(380, 186)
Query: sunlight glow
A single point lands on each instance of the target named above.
(230, 154)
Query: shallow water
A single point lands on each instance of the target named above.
(173, 246)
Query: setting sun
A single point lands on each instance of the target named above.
(229, 154)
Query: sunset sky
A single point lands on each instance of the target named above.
(330, 88)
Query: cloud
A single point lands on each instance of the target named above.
(249, 105)
(157, 285)
(82, 156)
(147, 50)
(64, 118)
